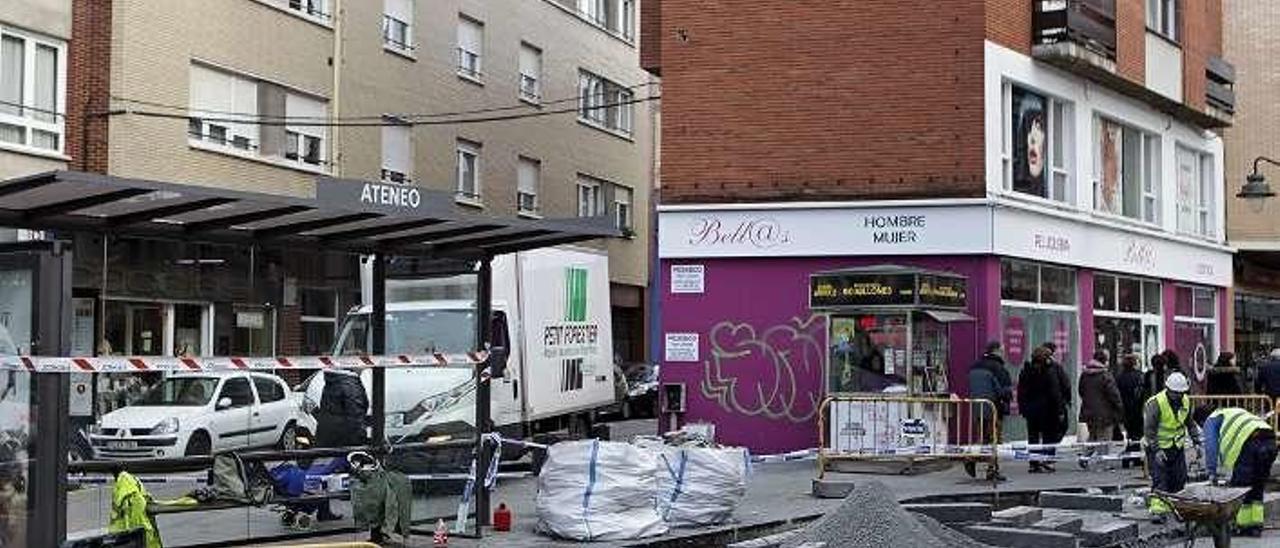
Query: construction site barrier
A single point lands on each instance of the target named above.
(138, 364)
(894, 427)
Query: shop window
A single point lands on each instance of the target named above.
(254, 333)
(868, 352)
(1126, 316)
(1025, 281)
(1104, 292)
(1195, 326)
(1126, 172)
(1037, 145)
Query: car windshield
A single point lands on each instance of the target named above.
(189, 391)
(412, 332)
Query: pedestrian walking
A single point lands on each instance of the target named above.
(1268, 380)
(989, 380)
(340, 418)
(1101, 407)
(1132, 394)
(1154, 378)
(1064, 381)
(1167, 426)
(1040, 401)
(1224, 378)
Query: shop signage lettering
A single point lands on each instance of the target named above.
(863, 289)
(390, 195)
(760, 232)
(1204, 269)
(1139, 253)
(1052, 243)
(894, 229)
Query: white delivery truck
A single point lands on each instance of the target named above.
(551, 328)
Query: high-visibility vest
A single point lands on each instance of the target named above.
(1237, 426)
(1173, 429)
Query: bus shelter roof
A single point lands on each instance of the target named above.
(344, 215)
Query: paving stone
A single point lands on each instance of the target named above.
(1063, 523)
(768, 541)
(1020, 516)
(1109, 533)
(953, 512)
(1015, 537)
(832, 488)
(1080, 501)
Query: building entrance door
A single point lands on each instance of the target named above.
(145, 330)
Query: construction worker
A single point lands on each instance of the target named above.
(1167, 425)
(1246, 445)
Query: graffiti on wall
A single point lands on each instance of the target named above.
(774, 372)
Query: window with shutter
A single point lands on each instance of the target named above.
(530, 73)
(527, 176)
(397, 153)
(470, 47)
(397, 25)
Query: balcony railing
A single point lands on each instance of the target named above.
(1090, 24)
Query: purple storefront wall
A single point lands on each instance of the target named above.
(760, 374)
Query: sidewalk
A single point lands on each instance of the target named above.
(779, 492)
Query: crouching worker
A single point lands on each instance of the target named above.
(1244, 444)
(1167, 426)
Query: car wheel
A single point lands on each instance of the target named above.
(198, 445)
(288, 438)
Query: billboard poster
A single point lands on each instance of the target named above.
(1030, 142)
(1110, 139)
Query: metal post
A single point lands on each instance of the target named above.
(378, 345)
(49, 401)
(484, 425)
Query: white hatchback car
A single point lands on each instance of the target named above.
(203, 413)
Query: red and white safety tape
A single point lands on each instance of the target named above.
(47, 364)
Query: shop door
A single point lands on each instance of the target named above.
(145, 330)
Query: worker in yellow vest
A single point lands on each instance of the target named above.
(1246, 445)
(1167, 427)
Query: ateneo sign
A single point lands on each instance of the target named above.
(882, 287)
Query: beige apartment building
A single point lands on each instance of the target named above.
(1251, 39)
(34, 39)
(529, 108)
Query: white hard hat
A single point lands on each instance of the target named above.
(1177, 382)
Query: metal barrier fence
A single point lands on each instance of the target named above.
(1258, 404)
(874, 427)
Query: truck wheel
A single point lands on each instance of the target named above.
(198, 445)
(579, 426)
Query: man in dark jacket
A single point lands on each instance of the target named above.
(1268, 380)
(989, 380)
(1064, 382)
(1224, 378)
(1040, 401)
(1101, 407)
(1134, 395)
(340, 418)
(1153, 379)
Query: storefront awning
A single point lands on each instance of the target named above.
(948, 316)
(345, 215)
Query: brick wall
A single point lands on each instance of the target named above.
(1131, 39)
(88, 84)
(1009, 24)
(651, 36)
(1202, 38)
(820, 99)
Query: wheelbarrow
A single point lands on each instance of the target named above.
(1207, 508)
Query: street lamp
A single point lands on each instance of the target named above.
(1255, 185)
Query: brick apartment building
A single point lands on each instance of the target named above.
(1252, 41)
(193, 92)
(856, 195)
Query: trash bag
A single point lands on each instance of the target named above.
(700, 485)
(599, 490)
(233, 480)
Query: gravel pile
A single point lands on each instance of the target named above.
(870, 518)
(949, 536)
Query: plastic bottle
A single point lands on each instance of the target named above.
(502, 518)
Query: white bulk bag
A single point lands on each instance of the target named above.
(599, 490)
(700, 485)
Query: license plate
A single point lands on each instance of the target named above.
(122, 445)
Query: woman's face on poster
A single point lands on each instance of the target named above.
(1035, 147)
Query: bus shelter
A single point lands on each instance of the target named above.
(170, 261)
